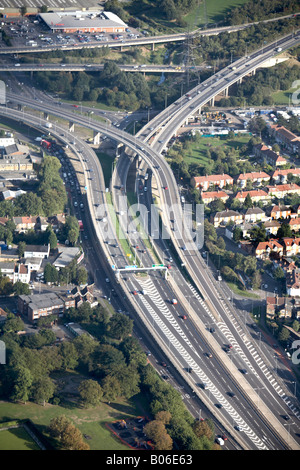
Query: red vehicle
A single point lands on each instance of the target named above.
(184, 317)
(75, 105)
(45, 144)
(80, 223)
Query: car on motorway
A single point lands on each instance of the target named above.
(75, 105)
(174, 301)
(231, 394)
(107, 280)
(165, 188)
(209, 355)
(244, 371)
(184, 317)
(134, 292)
(164, 364)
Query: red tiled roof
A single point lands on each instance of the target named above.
(253, 193)
(216, 194)
(253, 175)
(200, 179)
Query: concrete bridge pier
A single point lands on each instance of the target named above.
(71, 126)
(96, 138)
(46, 116)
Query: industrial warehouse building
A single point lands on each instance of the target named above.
(83, 22)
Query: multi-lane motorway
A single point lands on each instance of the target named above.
(261, 399)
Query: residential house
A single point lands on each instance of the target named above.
(40, 305)
(267, 155)
(256, 178)
(208, 181)
(272, 227)
(23, 224)
(57, 221)
(282, 190)
(245, 227)
(7, 269)
(291, 246)
(256, 196)
(254, 215)
(37, 251)
(281, 176)
(21, 273)
(295, 224)
(210, 196)
(15, 271)
(85, 294)
(279, 306)
(265, 249)
(293, 283)
(42, 223)
(280, 212)
(286, 138)
(224, 217)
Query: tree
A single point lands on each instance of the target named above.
(278, 273)
(21, 288)
(203, 428)
(111, 388)
(50, 273)
(67, 434)
(69, 355)
(21, 249)
(156, 431)
(283, 335)
(52, 240)
(284, 230)
(90, 393)
(71, 229)
(43, 390)
(13, 325)
(119, 326)
(248, 202)
(81, 276)
(22, 384)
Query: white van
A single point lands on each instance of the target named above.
(220, 441)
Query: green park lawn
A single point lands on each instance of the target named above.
(90, 422)
(196, 152)
(216, 10)
(17, 439)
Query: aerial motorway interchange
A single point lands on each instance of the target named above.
(240, 387)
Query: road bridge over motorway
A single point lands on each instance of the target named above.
(143, 41)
